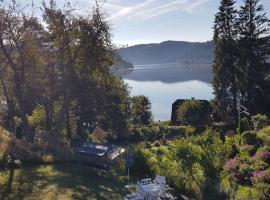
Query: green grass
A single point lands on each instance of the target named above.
(65, 181)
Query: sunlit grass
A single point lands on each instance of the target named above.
(66, 181)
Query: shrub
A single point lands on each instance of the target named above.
(261, 176)
(232, 165)
(259, 121)
(250, 149)
(192, 113)
(244, 125)
(246, 193)
(148, 145)
(99, 136)
(141, 165)
(157, 144)
(48, 159)
(163, 141)
(249, 138)
(37, 119)
(263, 155)
(264, 190)
(177, 130)
(264, 135)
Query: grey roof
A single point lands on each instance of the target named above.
(94, 149)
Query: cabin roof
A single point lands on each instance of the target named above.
(94, 149)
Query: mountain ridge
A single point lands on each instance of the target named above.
(170, 51)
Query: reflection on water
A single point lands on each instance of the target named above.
(166, 83)
(162, 95)
(169, 73)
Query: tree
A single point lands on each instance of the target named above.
(224, 68)
(19, 34)
(254, 40)
(192, 113)
(63, 68)
(141, 110)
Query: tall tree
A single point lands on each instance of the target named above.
(224, 68)
(19, 34)
(254, 40)
(141, 110)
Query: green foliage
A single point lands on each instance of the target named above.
(263, 189)
(38, 117)
(249, 138)
(158, 131)
(191, 166)
(264, 135)
(260, 121)
(99, 136)
(141, 167)
(157, 144)
(244, 125)
(224, 81)
(148, 145)
(191, 113)
(141, 110)
(246, 193)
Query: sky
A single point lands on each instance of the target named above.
(153, 21)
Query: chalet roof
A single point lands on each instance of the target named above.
(94, 149)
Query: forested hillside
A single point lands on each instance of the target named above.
(169, 52)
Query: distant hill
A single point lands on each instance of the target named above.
(169, 52)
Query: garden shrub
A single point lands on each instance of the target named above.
(249, 138)
(163, 141)
(262, 176)
(264, 135)
(141, 167)
(99, 136)
(263, 154)
(263, 189)
(246, 193)
(157, 144)
(148, 145)
(259, 121)
(37, 119)
(244, 125)
(192, 113)
(250, 149)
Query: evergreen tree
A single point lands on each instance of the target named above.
(224, 68)
(253, 27)
(141, 110)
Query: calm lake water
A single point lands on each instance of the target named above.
(164, 84)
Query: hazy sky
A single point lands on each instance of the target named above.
(147, 21)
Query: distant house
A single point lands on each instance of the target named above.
(99, 155)
(179, 102)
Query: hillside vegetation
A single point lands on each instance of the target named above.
(169, 52)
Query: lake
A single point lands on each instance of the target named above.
(165, 83)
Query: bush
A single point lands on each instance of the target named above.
(37, 119)
(261, 176)
(99, 136)
(264, 135)
(192, 113)
(141, 167)
(244, 125)
(259, 121)
(249, 138)
(246, 193)
(148, 145)
(263, 154)
(264, 190)
(157, 144)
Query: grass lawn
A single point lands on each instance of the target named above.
(65, 181)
